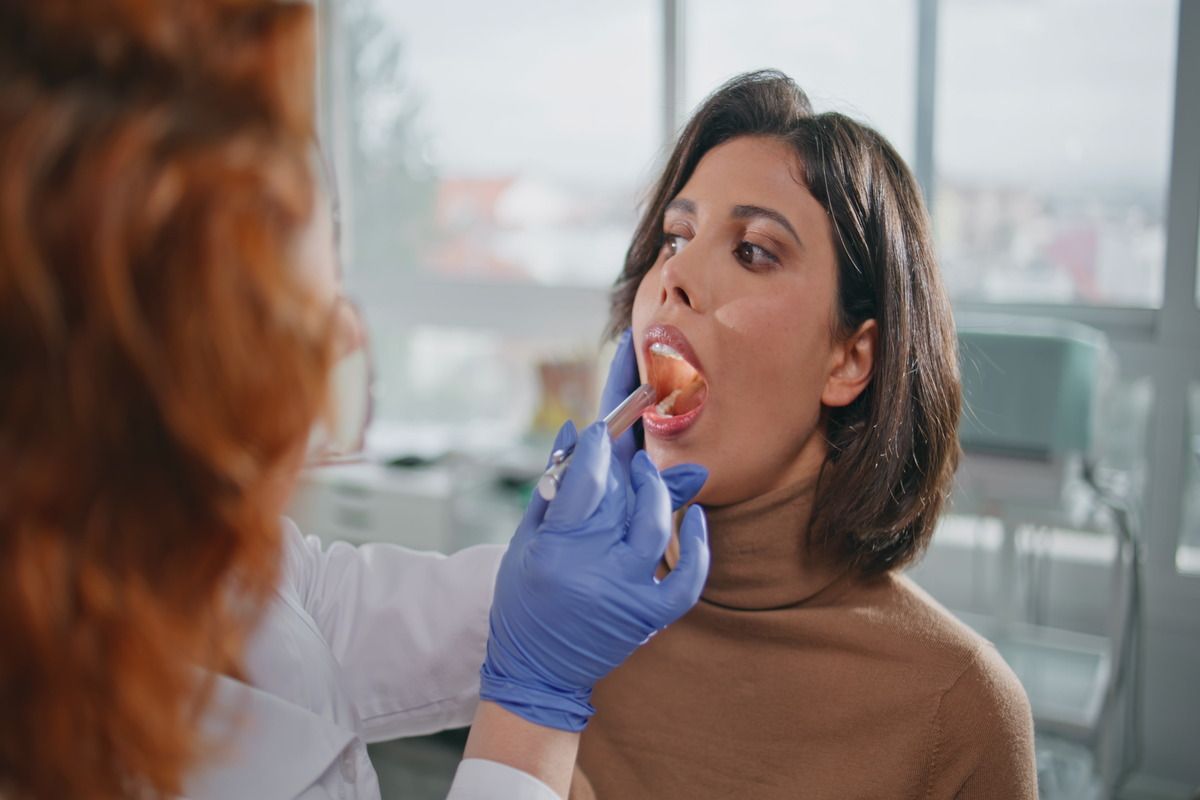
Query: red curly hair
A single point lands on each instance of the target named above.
(162, 360)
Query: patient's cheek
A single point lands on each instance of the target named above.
(741, 316)
(759, 326)
(645, 300)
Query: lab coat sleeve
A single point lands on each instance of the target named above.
(408, 629)
(479, 779)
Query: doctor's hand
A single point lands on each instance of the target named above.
(683, 480)
(576, 593)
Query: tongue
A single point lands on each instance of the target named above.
(690, 396)
(671, 374)
(682, 400)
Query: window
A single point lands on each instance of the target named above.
(869, 75)
(451, 377)
(495, 141)
(1052, 146)
(491, 157)
(486, 152)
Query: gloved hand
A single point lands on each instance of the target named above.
(576, 593)
(683, 480)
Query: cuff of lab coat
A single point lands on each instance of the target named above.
(480, 779)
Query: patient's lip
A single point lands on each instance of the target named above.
(673, 338)
(668, 427)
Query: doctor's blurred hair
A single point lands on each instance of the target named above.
(161, 364)
(892, 453)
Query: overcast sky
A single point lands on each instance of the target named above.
(1043, 92)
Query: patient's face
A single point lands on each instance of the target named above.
(748, 304)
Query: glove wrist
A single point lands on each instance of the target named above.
(551, 707)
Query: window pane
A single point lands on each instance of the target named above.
(440, 387)
(857, 56)
(446, 376)
(498, 141)
(1187, 559)
(1052, 149)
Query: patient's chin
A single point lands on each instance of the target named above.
(663, 456)
(706, 495)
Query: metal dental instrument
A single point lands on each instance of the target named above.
(619, 420)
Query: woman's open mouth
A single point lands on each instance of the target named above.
(674, 372)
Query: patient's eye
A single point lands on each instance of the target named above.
(753, 256)
(673, 243)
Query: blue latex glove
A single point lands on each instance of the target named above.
(576, 593)
(683, 480)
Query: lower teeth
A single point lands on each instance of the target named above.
(667, 405)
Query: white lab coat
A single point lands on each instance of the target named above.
(359, 644)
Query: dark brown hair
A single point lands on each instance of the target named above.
(162, 358)
(893, 451)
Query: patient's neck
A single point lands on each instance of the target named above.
(760, 557)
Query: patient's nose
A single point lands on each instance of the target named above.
(679, 282)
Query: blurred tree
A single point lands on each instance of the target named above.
(392, 180)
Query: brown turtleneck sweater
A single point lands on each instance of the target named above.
(793, 678)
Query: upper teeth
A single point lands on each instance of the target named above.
(660, 349)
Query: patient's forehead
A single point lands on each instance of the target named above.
(762, 171)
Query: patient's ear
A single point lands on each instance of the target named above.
(851, 366)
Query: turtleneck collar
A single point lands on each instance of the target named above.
(759, 557)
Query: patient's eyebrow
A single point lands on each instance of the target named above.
(681, 204)
(749, 212)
